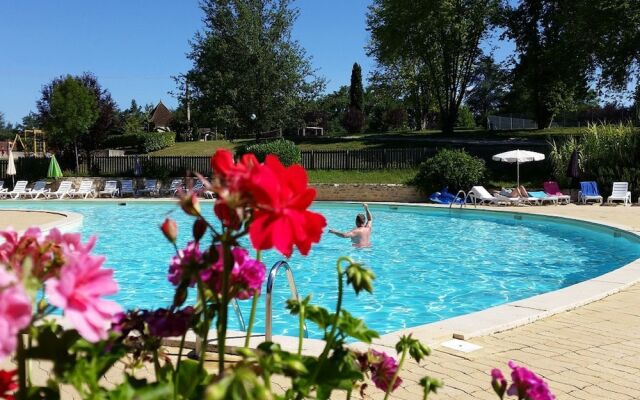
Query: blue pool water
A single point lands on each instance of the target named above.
(430, 264)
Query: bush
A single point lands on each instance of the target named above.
(286, 150)
(606, 153)
(143, 142)
(465, 118)
(456, 169)
(353, 120)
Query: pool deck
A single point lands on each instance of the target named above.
(588, 352)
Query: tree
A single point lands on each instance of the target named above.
(553, 66)
(133, 119)
(73, 109)
(354, 117)
(108, 121)
(6, 128)
(245, 63)
(489, 88)
(442, 35)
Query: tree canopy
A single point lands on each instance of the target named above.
(442, 35)
(246, 64)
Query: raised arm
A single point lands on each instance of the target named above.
(341, 234)
(368, 214)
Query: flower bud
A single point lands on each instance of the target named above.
(190, 204)
(199, 229)
(170, 229)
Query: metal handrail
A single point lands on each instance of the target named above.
(236, 308)
(294, 293)
(464, 199)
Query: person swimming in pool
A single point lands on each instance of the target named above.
(360, 235)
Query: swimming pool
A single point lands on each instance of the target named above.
(431, 263)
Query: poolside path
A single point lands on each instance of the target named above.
(21, 220)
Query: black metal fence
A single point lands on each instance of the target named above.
(162, 167)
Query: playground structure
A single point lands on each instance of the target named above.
(34, 143)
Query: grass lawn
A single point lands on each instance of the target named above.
(379, 176)
(367, 141)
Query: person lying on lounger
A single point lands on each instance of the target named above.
(519, 191)
(361, 234)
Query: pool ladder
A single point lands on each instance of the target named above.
(269, 303)
(269, 299)
(464, 198)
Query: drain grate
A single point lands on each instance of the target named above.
(461, 345)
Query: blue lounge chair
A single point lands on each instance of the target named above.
(589, 192)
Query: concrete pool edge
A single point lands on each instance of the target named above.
(522, 312)
(506, 316)
(69, 220)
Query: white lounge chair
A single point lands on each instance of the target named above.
(480, 195)
(513, 201)
(85, 190)
(63, 190)
(620, 192)
(208, 194)
(39, 188)
(110, 189)
(126, 187)
(175, 187)
(19, 189)
(150, 187)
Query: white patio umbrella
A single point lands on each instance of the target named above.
(518, 157)
(11, 167)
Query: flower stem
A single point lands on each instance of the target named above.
(301, 329)
(395, 376)
(254, 305)
(207, 321)
(334, 325)
(22, 368)
(176, 377)
(227, 261)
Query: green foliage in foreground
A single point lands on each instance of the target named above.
(143, 142)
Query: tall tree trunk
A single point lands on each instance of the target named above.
(75, 145)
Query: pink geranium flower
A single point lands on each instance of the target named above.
(383, 368)
(15, 312)
(246, 277)
(79, 290)
(527, 384)
(186, 264)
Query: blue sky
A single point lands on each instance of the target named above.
(135, 46)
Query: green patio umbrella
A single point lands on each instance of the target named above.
(54, 168)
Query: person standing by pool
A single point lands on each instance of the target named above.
(360, 235)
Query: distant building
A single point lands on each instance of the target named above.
(161, 118)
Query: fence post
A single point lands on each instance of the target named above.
(347, 161)
(313, 161)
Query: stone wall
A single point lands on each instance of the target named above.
(368, 192)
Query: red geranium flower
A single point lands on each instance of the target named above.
(7, 384)
(281, 218)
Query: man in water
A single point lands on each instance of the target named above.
(361, 234)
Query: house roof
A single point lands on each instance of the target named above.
(161, 116)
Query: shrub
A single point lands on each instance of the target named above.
(286, 150)
(465, 118)
(456, 169)
(606, 153)
(353, 120)
(143, 142)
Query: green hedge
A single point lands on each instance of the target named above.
(286, 150)
(143, 142)
(456, 169)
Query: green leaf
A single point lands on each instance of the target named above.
(241, 384)
(430, 385)
(355, 327)
(190, 377)
(360, 278)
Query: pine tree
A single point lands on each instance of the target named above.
(356, 92)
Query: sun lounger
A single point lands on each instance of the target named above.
(479, 195)
(552, 189)
(150, 187)
(85, 190)
(39, 188)
(19, 189)
(126, 187)
(620, 192)
(175, 187)
(589, 192)
(110, 189)
(512, 201)
(63, 190)
(542, 197)
(198, 188)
